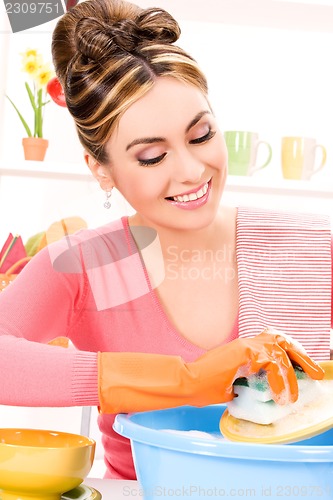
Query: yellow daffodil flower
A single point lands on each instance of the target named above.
(39, 73)
(44, 74)
(30, 65)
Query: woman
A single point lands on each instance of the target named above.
(153, 303)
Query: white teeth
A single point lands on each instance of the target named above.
(192, 196)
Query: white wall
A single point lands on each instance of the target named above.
(4, 25)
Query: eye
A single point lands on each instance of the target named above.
(151, 161)
(204, 138)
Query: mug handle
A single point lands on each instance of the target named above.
(323, 160)
(256, 168)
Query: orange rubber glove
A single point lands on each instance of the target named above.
(130, 382)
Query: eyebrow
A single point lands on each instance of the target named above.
(152, 140)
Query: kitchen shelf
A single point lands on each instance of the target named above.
(46, 170)
(311, 188)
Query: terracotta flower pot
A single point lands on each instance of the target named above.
(34, 148)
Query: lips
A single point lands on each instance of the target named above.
(192, 199)
(190, 195)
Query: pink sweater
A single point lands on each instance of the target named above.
(44, 303)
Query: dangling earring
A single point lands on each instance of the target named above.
(107, 203)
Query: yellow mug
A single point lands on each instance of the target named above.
(298, 157)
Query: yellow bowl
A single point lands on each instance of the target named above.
(42, 464)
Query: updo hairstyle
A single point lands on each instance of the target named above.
(107, 54)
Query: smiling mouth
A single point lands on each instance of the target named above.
(196, 195)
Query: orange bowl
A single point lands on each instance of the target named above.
(42, 464)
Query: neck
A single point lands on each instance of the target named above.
(220, 232)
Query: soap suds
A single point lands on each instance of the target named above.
(254, 402)
(317, 411)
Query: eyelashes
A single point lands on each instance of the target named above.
(152, 161)
(157, 159)
(210, 134)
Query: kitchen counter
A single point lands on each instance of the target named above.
(112, 489)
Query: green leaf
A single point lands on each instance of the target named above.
(24, 123)
(34, 107)
(31, 97)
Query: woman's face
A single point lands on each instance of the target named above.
(169, 160)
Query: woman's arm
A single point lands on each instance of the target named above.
(38, 306)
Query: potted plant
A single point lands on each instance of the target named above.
(39, 74)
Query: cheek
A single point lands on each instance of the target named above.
(139, 186)
(217, 156)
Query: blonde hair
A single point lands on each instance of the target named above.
(107, 54)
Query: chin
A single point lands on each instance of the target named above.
(194, 220)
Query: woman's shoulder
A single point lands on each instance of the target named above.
(89, 233)
(67, 254)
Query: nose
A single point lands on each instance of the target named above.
(188, 168)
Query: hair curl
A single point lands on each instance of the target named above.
(107, 54)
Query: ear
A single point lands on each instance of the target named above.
(101, 172)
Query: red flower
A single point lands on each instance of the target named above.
(56, 92)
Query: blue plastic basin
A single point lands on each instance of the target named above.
(170, 465)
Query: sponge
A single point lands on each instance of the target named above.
(253, 399)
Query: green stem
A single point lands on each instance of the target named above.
(34, 105)
(31, 97)
(39, 115)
